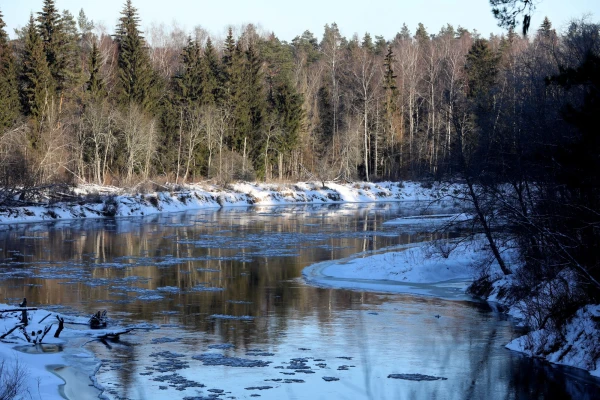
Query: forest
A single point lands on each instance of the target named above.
(514, 117)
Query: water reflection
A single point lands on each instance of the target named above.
(178, 270)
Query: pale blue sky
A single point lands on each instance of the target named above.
(290, 18)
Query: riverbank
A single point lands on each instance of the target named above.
(38, 365)
(93, 201)
(447, 269)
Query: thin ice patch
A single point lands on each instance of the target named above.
(219, 359)
(416, 377)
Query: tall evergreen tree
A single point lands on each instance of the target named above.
(211, 72)
(189, 80)
(227, 61)
(95, 84)
(59, 36)
(35, 78)
(72, 73)
(482, 69)
(9, 95)
(137, 80)
(421, 35)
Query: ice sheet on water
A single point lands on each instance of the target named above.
(232, 317)
(201, 288)
(214, 359)
(416, 377)
(223, 346)
(168, 289)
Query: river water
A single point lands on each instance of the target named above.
(228, 315)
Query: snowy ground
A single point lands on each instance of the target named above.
(101, 201)
(418, 269)
(47, 363)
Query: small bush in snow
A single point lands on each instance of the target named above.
(13, 378)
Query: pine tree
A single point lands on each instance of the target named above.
(137, 80)
(35, 78)
(9, 95)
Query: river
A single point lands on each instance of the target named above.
(229, 316)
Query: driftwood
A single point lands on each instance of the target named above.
(26, 334)
(11, 331)
(98, 320)
(42, 320)
(19, 309)
(113, 336)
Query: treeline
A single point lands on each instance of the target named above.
(79, 104)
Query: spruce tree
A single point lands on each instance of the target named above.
(287, 103)
(71, 74)
(227, 71)
(367, 42)
(211, 72)
(137, 80)
(188, 81)
(9, 95)
(482, 69)
(59, 36)
(35, 77)
(95, 84)
(421, 35)
(404, 34)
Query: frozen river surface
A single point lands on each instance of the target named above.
(233, 318)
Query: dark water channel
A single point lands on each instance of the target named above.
(235, 320)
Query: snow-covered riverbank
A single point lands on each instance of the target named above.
(446, 269)
(50, 368)
(92, 201)
(415, 269)
(42, 362)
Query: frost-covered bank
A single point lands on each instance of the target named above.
(576, 343)
(92, 201)
(51, 368)
(449, 268)
(42, 362)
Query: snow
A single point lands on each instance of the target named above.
(578, 348)
(416, 269)
(49, 365)
(104, 201)
(41, 382)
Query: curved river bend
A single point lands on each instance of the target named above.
(236, 320)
